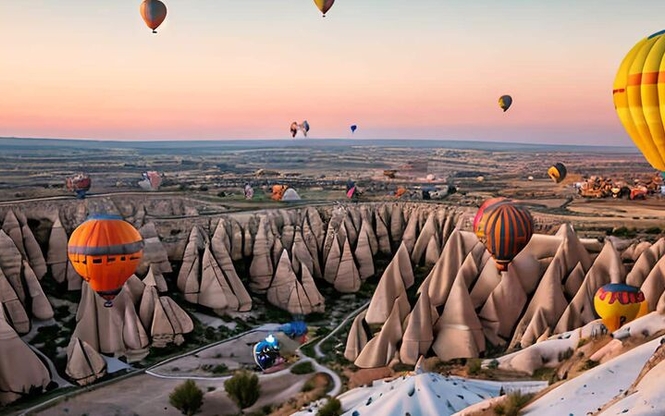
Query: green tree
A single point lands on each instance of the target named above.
(332, 408)
(187, 397)
(243, 388)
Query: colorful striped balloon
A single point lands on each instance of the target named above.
(508, 229)
(105, 251)
(153, 13)
(639, 95)
(478, 221)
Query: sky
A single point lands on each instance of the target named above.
(245, 69)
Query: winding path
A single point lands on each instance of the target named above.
(352, 315)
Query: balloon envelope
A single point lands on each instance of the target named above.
(478, 223)
(152, 180)
(505, 101)
(105, 251)
(153, 13)
(557, 172)
(354, 128)
(639, 94)
(324, 5)
(508, 229)
(618, 304)
(266, 353)
(79, 183)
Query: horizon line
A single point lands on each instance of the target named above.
(301, 140)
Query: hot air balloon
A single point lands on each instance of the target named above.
(508, 229)
(324, 5)
(151, 181)
(278, 192)
(105, 250)
(353, 128)
(266, 353)
(304, 127)
(294, 129)
(505, 101)
(249, 191)
(153, 13)
(639, 96)
(79, 183)
(478, 221)
(618, 304)
(557, 172)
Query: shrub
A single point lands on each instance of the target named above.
(243, 388)
(187, 397)
(589, 364)
(308, 386)
(305, 367)
(513, 403)
(474, 366)
(219, 369)
(564, 355)
(332, 408)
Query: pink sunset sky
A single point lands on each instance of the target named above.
(241, 69)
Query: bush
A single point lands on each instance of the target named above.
(187, 397)
(332, 408)
(474, 365)
(219, 369)
(589, 364)
(564, 355)
(514, 402)
(305, 367)
(243, 388)
(308, 386)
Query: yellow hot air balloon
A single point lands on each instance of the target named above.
(639, 96)
(505, 101)
(324, 5)
(557, 172)
(618, 304)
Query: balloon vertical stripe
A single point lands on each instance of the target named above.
(638, 92)
(508, 229)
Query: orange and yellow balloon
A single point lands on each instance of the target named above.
(153, 13)
(105, 251)
(639, 95)
(324, 5)
(618, 304)
(508, 229)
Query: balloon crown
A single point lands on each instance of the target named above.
(662, 32)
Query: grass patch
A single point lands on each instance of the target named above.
(305, 367)
(332, 408)
(589, 364)
(513, 404)
(474, 366)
